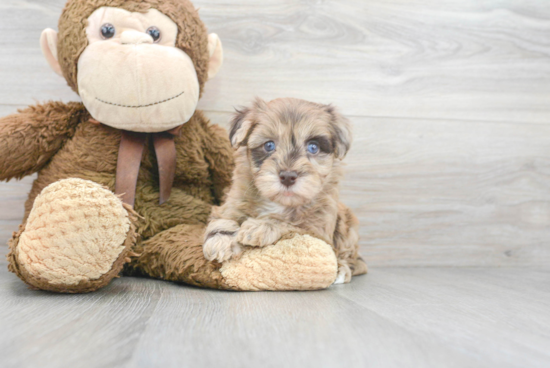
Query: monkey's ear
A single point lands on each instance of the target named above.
(341, 132)
(215, 51)
(48, 43)
(239, 127)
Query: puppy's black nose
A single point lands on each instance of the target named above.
(288, 178)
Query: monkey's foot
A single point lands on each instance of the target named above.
(76, 239)
(298, 263)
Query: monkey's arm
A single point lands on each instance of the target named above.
(30, 138)
(219, 155)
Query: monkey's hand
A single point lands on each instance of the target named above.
(220, 240)
(261, 232)
(30, 138)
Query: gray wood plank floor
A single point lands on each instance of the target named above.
(394, 317)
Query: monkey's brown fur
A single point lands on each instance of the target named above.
(58, 141)
(61, 146)
(260, 210)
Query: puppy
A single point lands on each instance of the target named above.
(288, 165)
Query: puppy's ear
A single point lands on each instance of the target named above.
(341, 132)
(240, 125)
(259, 104)
(243, 122)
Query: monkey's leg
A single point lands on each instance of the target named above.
(76, 239)
(299, 263)
(296, 262)
(176, 254)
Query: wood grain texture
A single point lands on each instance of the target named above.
(445, 192)
(394, 317)
(480, 60)
(431, 192)
(451, 160)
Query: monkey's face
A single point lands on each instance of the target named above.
(131, 76)
(133, 73)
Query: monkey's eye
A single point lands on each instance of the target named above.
(269, 146)
(107, 31)
(313, 147)
(154, 32)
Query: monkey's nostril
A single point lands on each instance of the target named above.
(288, 178)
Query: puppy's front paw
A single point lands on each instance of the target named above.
(219, 240)
(258, 233)
(220, 248)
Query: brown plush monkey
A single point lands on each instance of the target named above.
(127, 178)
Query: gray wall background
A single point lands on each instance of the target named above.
(450, 100)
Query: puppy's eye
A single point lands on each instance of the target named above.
(313, 147)
(269, 146)
(107, 31)
(154, 32)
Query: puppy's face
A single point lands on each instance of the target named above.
(292, 147)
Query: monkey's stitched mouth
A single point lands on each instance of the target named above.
(140, 106)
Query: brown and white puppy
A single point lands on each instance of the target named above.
(288, 165)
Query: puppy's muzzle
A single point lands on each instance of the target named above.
(288, 178)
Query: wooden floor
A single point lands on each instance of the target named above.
(394, 317)
(449, 175)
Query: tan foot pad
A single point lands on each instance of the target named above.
(74, 233)
(299, 263)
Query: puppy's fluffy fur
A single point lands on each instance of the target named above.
(288, 165)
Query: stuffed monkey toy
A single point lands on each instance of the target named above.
(127, 178)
